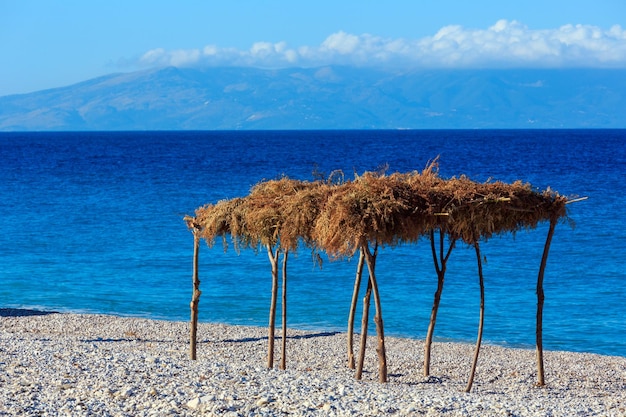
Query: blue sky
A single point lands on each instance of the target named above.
(46, 44)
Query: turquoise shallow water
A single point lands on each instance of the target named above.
(93, 222)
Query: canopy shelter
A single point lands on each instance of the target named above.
(375, 210)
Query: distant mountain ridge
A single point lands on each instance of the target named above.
(325, 98)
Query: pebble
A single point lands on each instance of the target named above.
(73, 364)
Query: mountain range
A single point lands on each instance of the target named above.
(325, 98)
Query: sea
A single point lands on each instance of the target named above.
(92, 222)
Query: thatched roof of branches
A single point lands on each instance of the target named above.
(373, 207)
(387, 209)
(473, 211)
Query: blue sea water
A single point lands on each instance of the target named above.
(92, 222)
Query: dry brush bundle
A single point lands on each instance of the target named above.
(373, 207)
(300, 213)
(480, 210)
(409, 218)
(264, 209)
(220, 219)
(427, 200)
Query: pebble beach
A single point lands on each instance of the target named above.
(54, 364)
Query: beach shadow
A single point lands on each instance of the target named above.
(110, 340)
(310, 336)
(128, 339)
(22, 312)
(431, 380)
(243, 340)
(258, 339)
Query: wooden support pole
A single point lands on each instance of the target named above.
(355, 296)
(481, 321)
(283, 359)
(195, 297)
(272, 321)
(370, 259)
(364, 324)
(440, 268)
(540, 299)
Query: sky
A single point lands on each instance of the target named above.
(53, 43)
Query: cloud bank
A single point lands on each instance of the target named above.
(505, 44)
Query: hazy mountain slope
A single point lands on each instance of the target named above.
(325, 98)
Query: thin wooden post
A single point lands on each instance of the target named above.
(355, 295)
(540, 299)
(195, 296)
(470, 381)
(370, 259)
(272, 321)
(364, 324)
(440, 268)
(283, 359)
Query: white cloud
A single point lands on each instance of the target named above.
(505, 44)
(341, 43)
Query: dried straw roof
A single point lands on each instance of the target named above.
(371, 208)
(388, 209)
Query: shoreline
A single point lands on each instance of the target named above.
(35, 311)
(66, 363)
